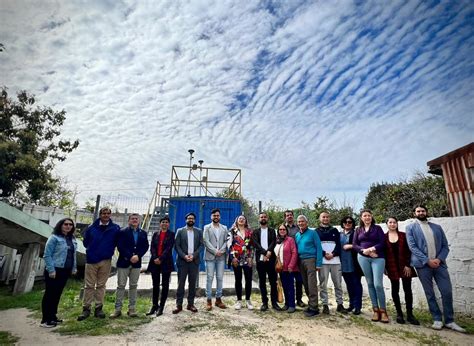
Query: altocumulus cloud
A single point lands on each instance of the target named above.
(308, 98)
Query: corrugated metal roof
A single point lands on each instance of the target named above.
(457, 168)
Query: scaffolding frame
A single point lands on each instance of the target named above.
(193, 180)
(185, 181)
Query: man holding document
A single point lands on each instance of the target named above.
(331, 244)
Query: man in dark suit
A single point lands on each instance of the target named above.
(264, 241)
(132, 245)
(188, 244)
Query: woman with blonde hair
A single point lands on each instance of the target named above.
(239, 243)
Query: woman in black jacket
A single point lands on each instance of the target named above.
(161, 264)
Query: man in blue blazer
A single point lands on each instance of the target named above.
(429, 249)
(132, 245)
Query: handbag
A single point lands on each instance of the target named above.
(280, 291)
(278, 263)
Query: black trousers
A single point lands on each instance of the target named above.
(52, 293)
(264, 269)
(406, 282)
(298, 285)
(188, 270)
(157, 276)
(247, 271)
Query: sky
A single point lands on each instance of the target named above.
(308, 98)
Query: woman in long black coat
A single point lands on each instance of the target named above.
(161, 264)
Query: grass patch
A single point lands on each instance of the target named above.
(419, 337)
(30, 300)
(192, 328)
(70, 307)
(7, 338)
(426, 320)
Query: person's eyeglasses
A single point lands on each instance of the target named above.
(68, 224)
(282, 229)
(348, 221)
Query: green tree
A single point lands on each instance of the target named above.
(276, 214)
(29, 149)
(398, 198)
(322, 203)
(248, 209)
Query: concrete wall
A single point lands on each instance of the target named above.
(52, 215)
(460, 234)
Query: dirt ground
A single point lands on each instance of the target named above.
(230, 327)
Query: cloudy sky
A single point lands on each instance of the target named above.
(308, 98)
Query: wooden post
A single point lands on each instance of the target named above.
(26, 273)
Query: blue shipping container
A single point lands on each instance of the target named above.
(202, 206)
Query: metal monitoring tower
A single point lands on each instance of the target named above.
(197, 180)
(194, 180)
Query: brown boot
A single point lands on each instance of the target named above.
(376, 315)
(383, 316)
(209, 305)
(220, 304)
(178, 309)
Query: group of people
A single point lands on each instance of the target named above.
(295, 254)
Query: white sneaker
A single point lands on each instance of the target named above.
(249, 305)
(437, 325)
(238, 305)
(455, 327)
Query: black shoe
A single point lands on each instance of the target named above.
(301, 304)
(356, 312)
(400, 319)
(291, 310)
(264, 307)
(340, 308)
(311, 313)
(160, 312)
(152, 311)
(285, 307)
(57, 320)
(326, 309)
(412, 320)
(276, 307)
(350, 308)
(48, 324)
(98, 312)
(86, 312)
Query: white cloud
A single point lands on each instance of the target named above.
(307, 98)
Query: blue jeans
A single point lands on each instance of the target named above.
(354, 288)
(287, 280)
(373, 269)
(211, 267)
(442, 279)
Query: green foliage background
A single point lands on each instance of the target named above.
(29, 149)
